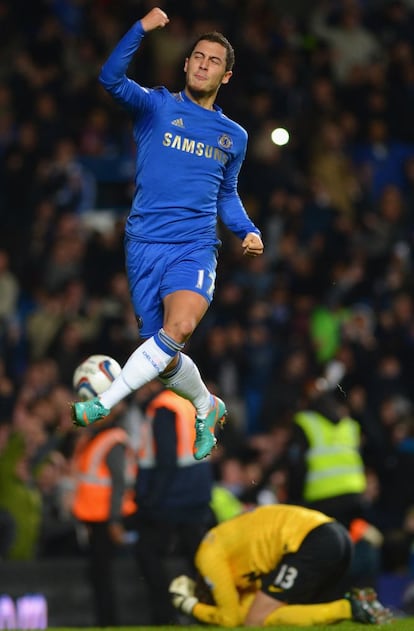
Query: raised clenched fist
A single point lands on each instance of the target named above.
(156, 18)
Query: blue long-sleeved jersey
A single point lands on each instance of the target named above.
(188, 159)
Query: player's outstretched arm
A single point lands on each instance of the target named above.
(113, 73)
(154, 19)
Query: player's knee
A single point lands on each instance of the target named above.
(180, 331)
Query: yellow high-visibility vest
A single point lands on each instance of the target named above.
(334, 464)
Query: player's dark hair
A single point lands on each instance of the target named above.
(218, 38)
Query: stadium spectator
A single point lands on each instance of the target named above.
(354, 46)
(325, 471)
(323, 434)
(104, 465)
(20, 499)
(9, 291)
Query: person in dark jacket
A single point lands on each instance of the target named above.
(173, 494)
(104, 502)
(326, 472)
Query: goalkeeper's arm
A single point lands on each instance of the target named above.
(183, 593)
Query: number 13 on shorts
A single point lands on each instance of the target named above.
(286, 577)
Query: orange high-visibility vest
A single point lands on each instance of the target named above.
(94, 484)
(184, 425)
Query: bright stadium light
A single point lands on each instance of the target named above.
(280, 136)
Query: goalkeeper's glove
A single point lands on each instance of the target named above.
(182, 594)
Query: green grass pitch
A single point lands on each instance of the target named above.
(399, 624)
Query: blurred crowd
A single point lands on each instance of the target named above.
(335, 206)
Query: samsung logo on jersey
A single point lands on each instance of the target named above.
(181, 143)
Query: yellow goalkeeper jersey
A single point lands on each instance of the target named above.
(235, 554)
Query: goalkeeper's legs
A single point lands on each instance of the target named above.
(305, 615)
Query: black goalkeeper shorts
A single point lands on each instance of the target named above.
(316, 572)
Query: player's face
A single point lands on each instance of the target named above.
(206, 68)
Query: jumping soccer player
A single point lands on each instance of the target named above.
(188, 161)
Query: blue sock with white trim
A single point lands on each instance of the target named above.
(185, 380)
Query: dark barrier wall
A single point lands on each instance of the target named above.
(64, 584)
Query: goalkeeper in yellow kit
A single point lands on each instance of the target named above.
(278, 564)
